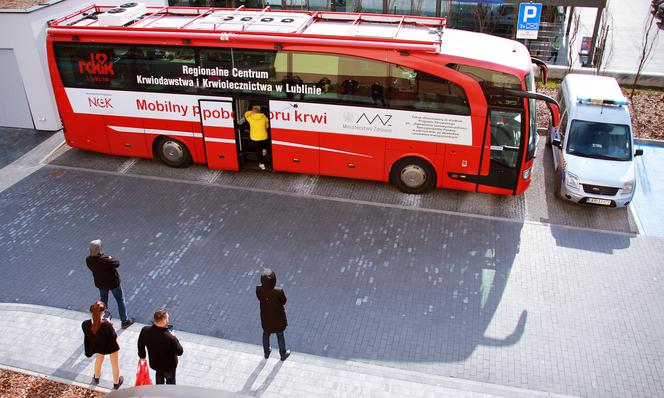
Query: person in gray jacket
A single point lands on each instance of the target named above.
(273, 315)
(105, 273)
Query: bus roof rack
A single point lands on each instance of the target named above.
(410, 33)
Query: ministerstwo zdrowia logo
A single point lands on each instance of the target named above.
(97, 68)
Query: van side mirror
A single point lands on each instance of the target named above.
(556, 142)
(638, 152)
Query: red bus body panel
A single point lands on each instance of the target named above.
(312, 152)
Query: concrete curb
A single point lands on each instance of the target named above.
(55, 378)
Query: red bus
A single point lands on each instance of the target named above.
(367, 96)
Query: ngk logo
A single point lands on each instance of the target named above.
(96, 65)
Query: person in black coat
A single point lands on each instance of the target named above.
(105, 273)
(273, 315)
(162, 346)
(100, 338)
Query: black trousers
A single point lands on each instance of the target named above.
(169, 375)
(262, 149)
(280, 339)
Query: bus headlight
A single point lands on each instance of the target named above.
(572, 180)
(526, 173)
(628, 187)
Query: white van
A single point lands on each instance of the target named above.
(593, 147)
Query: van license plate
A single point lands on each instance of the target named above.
(603, 202)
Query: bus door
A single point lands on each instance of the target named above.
(505, 144)
(248, 150)
(219, 134)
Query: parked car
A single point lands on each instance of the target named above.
(593, 146)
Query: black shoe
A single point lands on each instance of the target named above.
(286, 355)
(95, 380)
(128, 323)
(267, 354)
(120, 381)
(108, 315)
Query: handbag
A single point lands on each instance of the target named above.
(143, 374)
(87, 347)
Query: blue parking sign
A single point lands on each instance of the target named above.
(529, 20)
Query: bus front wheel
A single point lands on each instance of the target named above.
(173, 152)
(413, 175)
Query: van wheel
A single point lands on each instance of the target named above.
(173, 152)
(413, 175)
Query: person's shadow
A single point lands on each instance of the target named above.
(246, 389)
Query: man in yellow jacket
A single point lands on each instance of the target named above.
(258, 124)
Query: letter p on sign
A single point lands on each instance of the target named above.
(530, 12)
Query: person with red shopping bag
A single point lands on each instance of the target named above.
(162, 347)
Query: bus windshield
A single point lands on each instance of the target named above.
(599, 140)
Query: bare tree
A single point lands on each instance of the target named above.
(570, 41)
(602, 53)
(446, 11)
(484, 18)
(648, 40)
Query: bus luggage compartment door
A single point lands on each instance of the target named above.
(219, 134)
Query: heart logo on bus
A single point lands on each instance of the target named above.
(101, 58)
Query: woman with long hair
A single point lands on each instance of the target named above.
(101, 339)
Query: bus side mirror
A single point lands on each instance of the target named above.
(556, 142)
(544, 69)
(639, 152)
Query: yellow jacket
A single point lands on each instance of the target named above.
(258, 125)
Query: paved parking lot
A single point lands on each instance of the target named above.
(496, 295)
(17, 142)
(537, 205)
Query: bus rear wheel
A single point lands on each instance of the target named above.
(413, 175)
(173, 152)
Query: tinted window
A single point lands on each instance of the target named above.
(599, 140)
(125, 67)
(367, 82)
(505, 137)
(102, 66)
(278, 74)
(493, 84)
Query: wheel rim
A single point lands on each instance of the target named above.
(413, 176)
(172, 151)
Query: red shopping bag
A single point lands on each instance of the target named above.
(143, 374)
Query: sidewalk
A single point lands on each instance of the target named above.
(49, 341)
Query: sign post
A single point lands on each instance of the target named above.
(529, 20)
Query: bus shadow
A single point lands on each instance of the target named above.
(428, 297)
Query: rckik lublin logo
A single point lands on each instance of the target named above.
(97, 68)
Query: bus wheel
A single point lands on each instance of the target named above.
(173, 153)
(413, 175)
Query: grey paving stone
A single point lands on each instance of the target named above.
(450, 291)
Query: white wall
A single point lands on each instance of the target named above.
(25, 34)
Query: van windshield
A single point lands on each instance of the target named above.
(599, 140)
